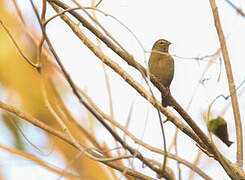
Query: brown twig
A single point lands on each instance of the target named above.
(15, 124)
(17, 46)
(238, 10)
(68, 117)
(107, 81)
(196, 162)
(18, 11)
(231, 83)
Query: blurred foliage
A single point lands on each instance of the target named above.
(11, 122)
(21, 84)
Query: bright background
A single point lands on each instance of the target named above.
(189, 26)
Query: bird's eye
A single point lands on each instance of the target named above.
(161, 42)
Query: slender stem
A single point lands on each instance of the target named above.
(238, 10)
(17, 46)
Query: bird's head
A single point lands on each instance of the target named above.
(161, 45)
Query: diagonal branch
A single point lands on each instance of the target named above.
(238, 10)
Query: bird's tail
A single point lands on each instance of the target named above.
(164, 101)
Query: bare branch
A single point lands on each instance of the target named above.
(238, 10)
(17, 46)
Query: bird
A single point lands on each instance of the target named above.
(218, 127)
(161, 65)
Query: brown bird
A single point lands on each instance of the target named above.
(161, 65)
(218, 127)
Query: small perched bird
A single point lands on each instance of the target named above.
(218, 127)
(161, 64)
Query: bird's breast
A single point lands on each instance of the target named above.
(163, 68)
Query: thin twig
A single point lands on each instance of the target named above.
(108, 85)
(17, 46)
(18, 12)
(196, 162)
(14, 122)
(68, 116)
(52, 111)
(98, 3)
(238, 10)
(41, 21)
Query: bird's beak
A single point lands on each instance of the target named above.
(169, 43)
